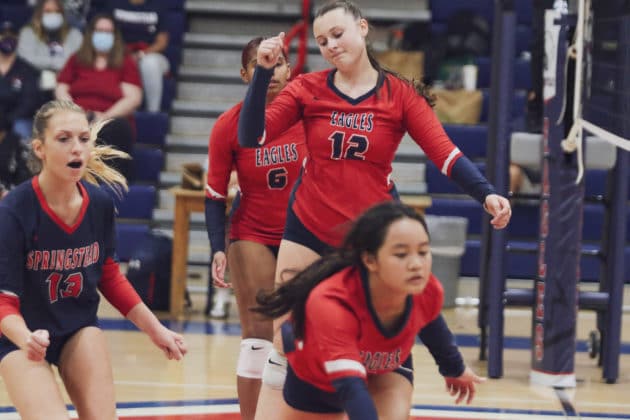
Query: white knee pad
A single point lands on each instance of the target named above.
(275, 371)
(252, 357)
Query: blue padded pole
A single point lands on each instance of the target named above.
(618, 196)
(555, 308)
(615, 272)
(492, 278)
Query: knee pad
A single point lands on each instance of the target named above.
(275, 371)
(252, 357)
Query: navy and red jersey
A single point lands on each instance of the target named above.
(343, 336)
(265, 175)
(351, 145)
(53, 268)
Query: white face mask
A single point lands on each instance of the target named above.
(52, 21)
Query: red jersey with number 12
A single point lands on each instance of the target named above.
(265, 176)
(351, 145)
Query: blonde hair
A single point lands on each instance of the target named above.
(97, 170)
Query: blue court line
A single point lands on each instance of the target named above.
(207, 402)
(512, 411)
(234, 329)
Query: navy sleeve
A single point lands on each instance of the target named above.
(357, 401)
(251, 123)
(441, 344)
(215, 224)
(467, 176)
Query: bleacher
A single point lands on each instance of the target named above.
(447, 199)
(135, 208)
(204, 53)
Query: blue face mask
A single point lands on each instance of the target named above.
(102, 41)
(52, 21)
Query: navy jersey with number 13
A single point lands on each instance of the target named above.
(53, 268)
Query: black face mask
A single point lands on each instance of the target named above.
(8, 45)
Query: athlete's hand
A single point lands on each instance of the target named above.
(36, 345)
(500, 210)
(219, 262)
(171, 343)
(269, 50)
(463, 387)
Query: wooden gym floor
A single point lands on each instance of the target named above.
(202, 387)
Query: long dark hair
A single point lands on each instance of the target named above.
(348, 6)
(366, 235)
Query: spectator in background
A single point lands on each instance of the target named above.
(103, 79)
(47, 42)
(13, 167)
(19, 97)
(77, 12)
(142, 25)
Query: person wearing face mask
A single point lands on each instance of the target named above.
(18, 84)
(104, 80)
(47, 42)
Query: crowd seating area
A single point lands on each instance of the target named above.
(136, 208)
(448, 200)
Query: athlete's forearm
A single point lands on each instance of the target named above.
(251, 122)
(356, 399)
(437, 337)
(146, 321)
(215, 224)
(14, 328)
(470, 179)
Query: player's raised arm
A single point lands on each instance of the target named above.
(251, 124)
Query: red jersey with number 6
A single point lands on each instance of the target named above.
(351, 145)
(265, 176)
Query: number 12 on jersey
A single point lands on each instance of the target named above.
(353, 148)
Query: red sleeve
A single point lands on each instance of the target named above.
(130, 72)
(285, 110)
(9, 305)
(68, 73)
(117, 289)
(220, 158)
(335, 331)
(426, 130)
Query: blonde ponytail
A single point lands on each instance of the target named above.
(97, 168)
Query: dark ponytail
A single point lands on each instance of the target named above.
(366, 235)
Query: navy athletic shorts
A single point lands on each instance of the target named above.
(53, 353)
(303, 396)
(295, 231)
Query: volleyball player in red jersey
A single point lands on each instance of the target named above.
(57, 250)
(354, 116)
(355, 316)
(265, 177)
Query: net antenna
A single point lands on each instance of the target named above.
(574, 140)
